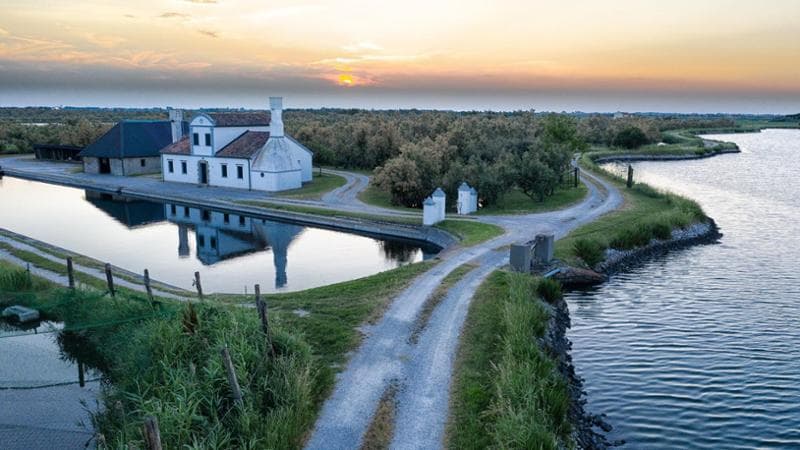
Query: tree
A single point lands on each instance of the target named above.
(534, 178)
(630, 137)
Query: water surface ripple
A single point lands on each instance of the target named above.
(700, 349)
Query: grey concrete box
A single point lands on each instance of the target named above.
(545, 246)
(520, 258)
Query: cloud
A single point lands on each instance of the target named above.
(103, 40)
(364, 46)
(209, 33)
(129, 16)
(280, 13)
(4, 32)
(205, 2)
(173, 15)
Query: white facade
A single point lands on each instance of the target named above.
(440, 199)
(430, 212)
(253, 160)
(467, 199)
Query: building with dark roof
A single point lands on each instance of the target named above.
(247, 150)
(50, 152)
(132, 147)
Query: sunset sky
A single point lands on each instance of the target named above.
(590, 55)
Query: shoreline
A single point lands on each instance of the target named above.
(632, 157)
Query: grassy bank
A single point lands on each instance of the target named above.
(163, 359)
(507, 391)
(321, 184)
(647, 214)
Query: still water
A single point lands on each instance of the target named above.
(700, 349)
(173, 241)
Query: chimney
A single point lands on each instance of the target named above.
(176, 123)
(276, 121)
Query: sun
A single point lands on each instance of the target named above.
(346, 80)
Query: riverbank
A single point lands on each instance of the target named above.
(162, 359)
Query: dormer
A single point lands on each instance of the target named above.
(211, 132)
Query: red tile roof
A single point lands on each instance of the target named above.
(240, 119)
(181, 147)
(244, 146)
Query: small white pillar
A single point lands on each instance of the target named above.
(473, 200)
(430, 212)
(464, 199)
(441, 199)
(176, 124)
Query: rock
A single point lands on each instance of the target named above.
(577, 277)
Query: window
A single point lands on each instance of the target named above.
(224, 168)
(173, 209)
(206, 215)
(208, 139)
(170, 166)
(142, 162)
(226, 218)
(201, 240)
(183, 167)
(241, 221)
(240, 172)
(213, 243)
(185, 211)
(196, 138)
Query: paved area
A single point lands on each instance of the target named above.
(423, 371)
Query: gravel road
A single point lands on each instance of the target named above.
(423, 371)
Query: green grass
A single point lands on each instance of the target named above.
(163, 359)
(507, 391)
(372, 195)
(470, 232)
(330, 212)
(320, 185)
(516, 202)
(648, 214)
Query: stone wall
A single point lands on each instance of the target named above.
(133, 166)
(91, 165)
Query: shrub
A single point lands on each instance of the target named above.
(630, 138)
(590, 251)
(549, 289)
(15, 280)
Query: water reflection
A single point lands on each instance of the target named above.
(231, 255)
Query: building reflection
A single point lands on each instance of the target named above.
(130, 212)
(221, 236)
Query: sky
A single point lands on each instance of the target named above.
(577, 55)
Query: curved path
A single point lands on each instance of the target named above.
(423, 371)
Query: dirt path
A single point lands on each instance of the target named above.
(423, 371)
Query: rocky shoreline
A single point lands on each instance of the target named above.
(589, 429)
(635, 157)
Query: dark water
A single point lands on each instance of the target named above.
(42, 402)
(229, 251)
(700, 349)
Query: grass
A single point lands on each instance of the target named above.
(320, 185)
(648, 214)
(163, 359)
(372, 195)
(330, 212)
(470, 232)
(507, 391)
(516, 202)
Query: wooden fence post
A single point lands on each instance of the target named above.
(630, 176)
(110, 280)
(198, 285)
(81, 378)
(28, 271)
(152, 435)
(576, 176)
(237, 392)
(70, 273)
(147, 286)
(261, 306)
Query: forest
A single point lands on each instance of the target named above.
(410, 152)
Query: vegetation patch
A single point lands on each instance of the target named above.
(507, 391)
(471, 232)
(381, 429)
(163, 359)
(320, 185)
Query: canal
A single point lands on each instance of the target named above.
(700, 349)
(230, 251)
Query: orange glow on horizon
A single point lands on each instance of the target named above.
(346, 80)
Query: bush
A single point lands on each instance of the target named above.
(590, 251)
(630, 138)
(15, 280)
(549, 289)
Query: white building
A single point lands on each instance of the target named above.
(243, 150)
(467, 199)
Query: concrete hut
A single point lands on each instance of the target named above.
(430, 212)
(467, 199)
(441, 202)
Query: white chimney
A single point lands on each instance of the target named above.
(176, 123)
(276, 121)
